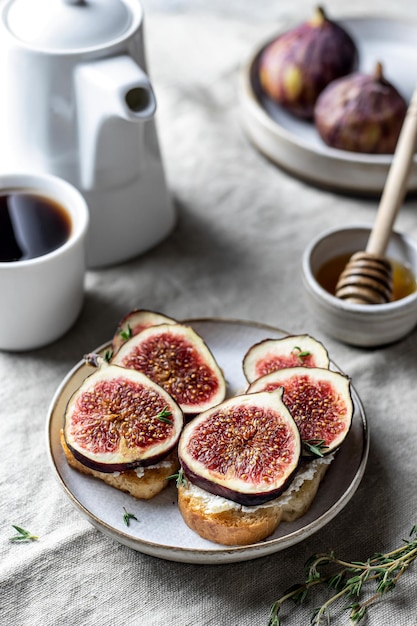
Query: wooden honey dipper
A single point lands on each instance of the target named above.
(367, 277)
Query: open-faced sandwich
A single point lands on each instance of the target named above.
(257, 459)
(123, 423)
(155, 405)
(121, 427)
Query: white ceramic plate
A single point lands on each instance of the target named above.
(295, 145)
(160, 530)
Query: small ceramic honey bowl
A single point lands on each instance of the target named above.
(365, 325)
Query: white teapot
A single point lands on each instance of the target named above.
(77, 103)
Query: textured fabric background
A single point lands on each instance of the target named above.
(235, 252)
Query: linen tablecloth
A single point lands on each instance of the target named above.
(235, 252)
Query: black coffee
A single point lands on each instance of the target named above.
(31, 225)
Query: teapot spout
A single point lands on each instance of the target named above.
(107, 89)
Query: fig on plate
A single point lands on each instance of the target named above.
(299, 64)
(270, 355)
(246, 449)
(361, 113)
(319, 401)
(177, 358)
(119, 419)
(136, 321)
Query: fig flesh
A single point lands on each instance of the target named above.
(136, 321)
(119, 419)
(270, 355)
(176, 357)
(246, 449)
(319, 401)
(361, 113)
(299, 64)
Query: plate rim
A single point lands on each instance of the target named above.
(252, 109)
(219, 554)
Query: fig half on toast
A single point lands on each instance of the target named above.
(318, 399)
(246, 449)
(119, 419)
(270, 355)
(176, 358)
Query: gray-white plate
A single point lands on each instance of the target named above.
(295, 145)
(160, 530)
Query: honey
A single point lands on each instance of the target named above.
(404, 281)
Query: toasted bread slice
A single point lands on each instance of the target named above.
(142, 483)
(229, 527)
(225, 522)
(299, 501)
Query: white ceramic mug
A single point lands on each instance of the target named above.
(43, 296)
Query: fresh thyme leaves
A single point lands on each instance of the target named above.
(348, 581)
(108, 355)
(22, 535)
(164, 415)
(315, 446)
(179, 477)
(126, 333)
(301, 354)
(128, 516)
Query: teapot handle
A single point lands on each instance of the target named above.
(108, 88)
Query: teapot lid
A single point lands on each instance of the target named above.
(68, 24)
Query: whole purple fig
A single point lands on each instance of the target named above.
(361, 113)
(298, 65)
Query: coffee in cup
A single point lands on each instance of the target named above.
(43, 226)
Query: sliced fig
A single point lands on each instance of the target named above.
(318, 399)
(176, 357)
(119, 419)
(136, 321)
(275, 354)
(246, 449)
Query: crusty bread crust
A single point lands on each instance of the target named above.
(301, 500)
(145, 487)
(231, 527)
(237, 526)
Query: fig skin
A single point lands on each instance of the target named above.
(296, 67)
(270, 355)
(111, 421)
(246, 449)
(134, 322)
(319, 400)
(179, 360)
(361, 113)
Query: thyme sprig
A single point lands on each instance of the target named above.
(179, 478)
(164, 416)
(126, 333)
(23, 535)
(349, 580)
(315, 446)
(128, 516)
(301, 354)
